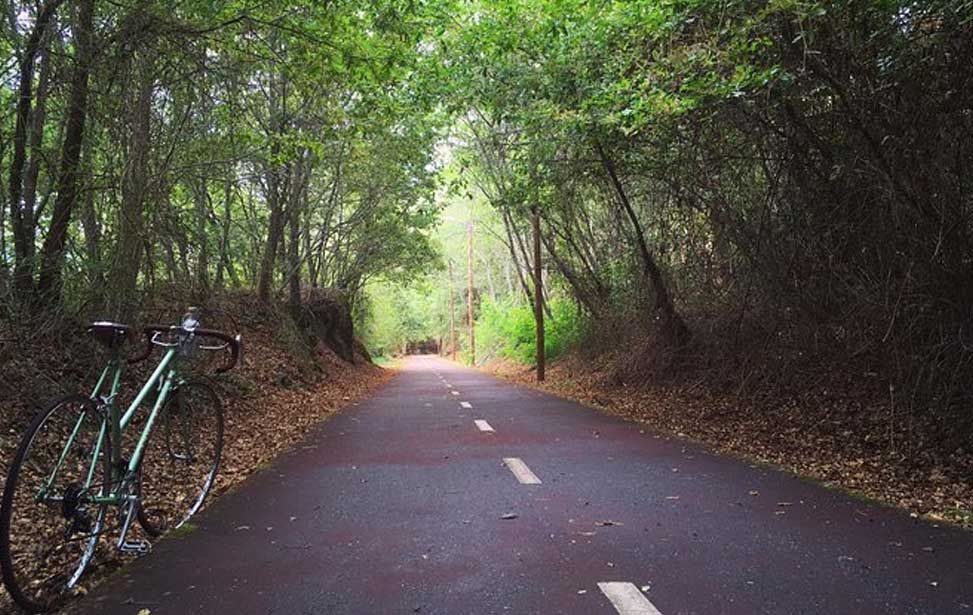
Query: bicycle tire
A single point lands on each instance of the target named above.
(170, 453)
(51, 594)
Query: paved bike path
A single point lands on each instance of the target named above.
(398, 505)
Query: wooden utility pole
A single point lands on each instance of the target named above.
(452, 315)
(469, 292)
(535, 219)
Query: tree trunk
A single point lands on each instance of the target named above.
(123, 278)
(535, 219)
(469, 291)
(223, 262)
(578, 286)
(29, 211)
(296, 204)
(201, 206)
(3, 224)
(18, 218)
(673, 326)
(150, 285)
(512, 246)
(52, 254)
(274, 231)
(294, 243)
(170, 251)
(91, 227)
(452, 314)
(491, 288)
(275, 182)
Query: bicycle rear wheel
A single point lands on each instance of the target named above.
(182, 457)
(49, 530)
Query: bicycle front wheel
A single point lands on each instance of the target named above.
(182, 457)
(49, 527)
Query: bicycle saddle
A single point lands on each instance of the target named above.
(110, 334)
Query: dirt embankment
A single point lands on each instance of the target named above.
(834, 435)
(289, 379)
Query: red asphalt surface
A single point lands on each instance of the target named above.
(395, 505)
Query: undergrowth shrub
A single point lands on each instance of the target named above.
(506, 328)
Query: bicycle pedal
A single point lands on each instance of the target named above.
(139, 547)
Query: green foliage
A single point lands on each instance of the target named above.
(507, 328)
(397, 314)
(798, 158)
(307, 110)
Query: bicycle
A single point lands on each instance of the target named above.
(70, 469)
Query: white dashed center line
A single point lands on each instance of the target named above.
(455, 392)
(483, 425)
(465, 404)
(628, 599)
(521, 471)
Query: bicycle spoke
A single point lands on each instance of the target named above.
(182, 458)
(49, 540)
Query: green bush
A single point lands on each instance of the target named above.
(507, 329)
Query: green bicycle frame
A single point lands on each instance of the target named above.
(166, 374)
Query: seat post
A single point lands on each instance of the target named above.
(115, 350)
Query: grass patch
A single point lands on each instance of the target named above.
(387, 362)
(184, 530)
(958, 514)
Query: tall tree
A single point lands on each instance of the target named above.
(123, 276)
(22, 219)
(52, 254)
